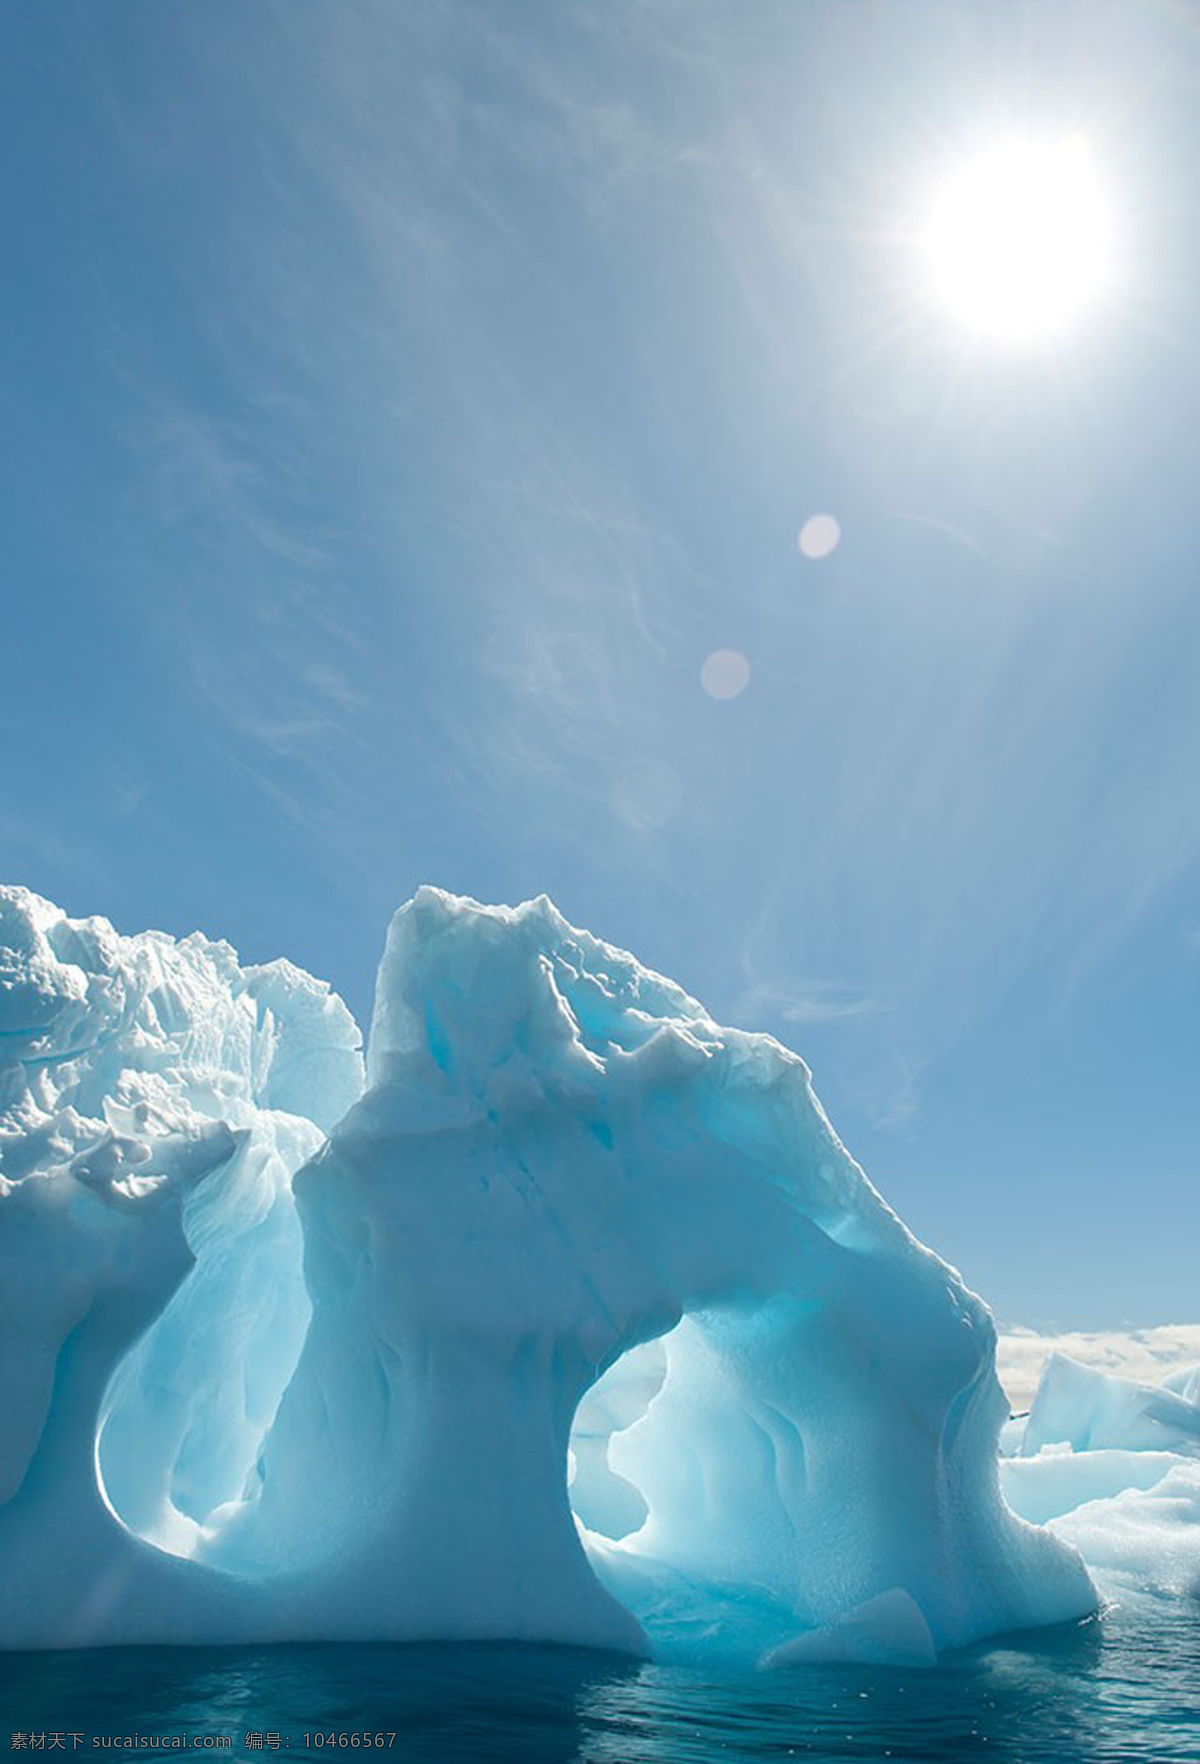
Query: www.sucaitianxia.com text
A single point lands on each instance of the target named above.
(319, 1740)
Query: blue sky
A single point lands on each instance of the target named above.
(402, 402)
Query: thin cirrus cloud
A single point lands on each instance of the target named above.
(517, 453)
(802, 1001)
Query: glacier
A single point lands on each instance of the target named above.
(568, 1319)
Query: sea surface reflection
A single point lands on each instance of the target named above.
(1126, 1686)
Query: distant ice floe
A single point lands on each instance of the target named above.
(1113, 1466)
(1145, 1355)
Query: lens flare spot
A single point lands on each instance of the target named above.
(725, 673)
(819, 536)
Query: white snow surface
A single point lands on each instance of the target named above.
(264, 1383)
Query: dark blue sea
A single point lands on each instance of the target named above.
(1125, 1687)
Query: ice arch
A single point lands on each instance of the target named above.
(559, 1158)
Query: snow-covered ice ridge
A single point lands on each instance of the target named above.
(578, 1324)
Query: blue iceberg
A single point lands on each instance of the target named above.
(574, 1322)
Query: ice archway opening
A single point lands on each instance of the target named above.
(604, 1501)
(185, 1414)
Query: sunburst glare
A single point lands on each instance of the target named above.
(1019, 238)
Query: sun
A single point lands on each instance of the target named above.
(1018, 240)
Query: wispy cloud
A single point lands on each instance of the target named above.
(462, 261)
(802, 1000)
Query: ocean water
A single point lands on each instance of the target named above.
(1125, 1687)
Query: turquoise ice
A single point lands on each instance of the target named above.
(578, 1324)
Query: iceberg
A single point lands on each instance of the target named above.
(1112, 1465)
(572, 1322)
(1088, 1410)
(155, 1099)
